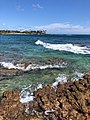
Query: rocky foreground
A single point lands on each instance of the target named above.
(68, 101)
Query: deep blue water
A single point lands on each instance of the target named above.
(24, 49)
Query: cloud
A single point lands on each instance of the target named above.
(54, 28)
(3, 24)
(37, 6)
(62, 28)
(19, 8)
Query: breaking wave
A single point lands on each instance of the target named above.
(32, 66)
(26, 94)
(77, 49)
(63, 78)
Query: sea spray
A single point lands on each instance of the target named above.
(26, 94)
(62, 78)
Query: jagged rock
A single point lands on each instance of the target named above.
(69, 101)
(11, 108)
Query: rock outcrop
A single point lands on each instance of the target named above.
(68, 101)
(5, 74)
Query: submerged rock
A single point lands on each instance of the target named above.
(9, 73)
(68, 101)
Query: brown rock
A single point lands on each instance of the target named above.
(69, 101)
(1, 118)
(9, 71)
(86, 77)
(11, 108)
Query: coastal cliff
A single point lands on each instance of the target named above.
(68, 101)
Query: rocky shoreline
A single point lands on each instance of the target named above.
(68, 101)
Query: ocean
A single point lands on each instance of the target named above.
(42, 60)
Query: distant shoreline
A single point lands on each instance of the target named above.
(38, 32)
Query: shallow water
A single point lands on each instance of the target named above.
(15, 50)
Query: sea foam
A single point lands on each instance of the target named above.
(32, 66)
(26, 94)
(12, 66)
(62, 78)
(65, 47)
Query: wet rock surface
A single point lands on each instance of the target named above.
(9, 71)
(5, 74)
(68, 101)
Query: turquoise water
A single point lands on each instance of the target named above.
(24, 49)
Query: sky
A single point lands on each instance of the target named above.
(54, 16)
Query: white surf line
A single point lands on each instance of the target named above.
(32, 66)
(65, 47)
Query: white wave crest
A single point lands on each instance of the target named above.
(12, 66)
(32, 66)
(65, 47)
(63, 78)
(60, 79)
(77, 76)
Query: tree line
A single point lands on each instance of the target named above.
(38, 32)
